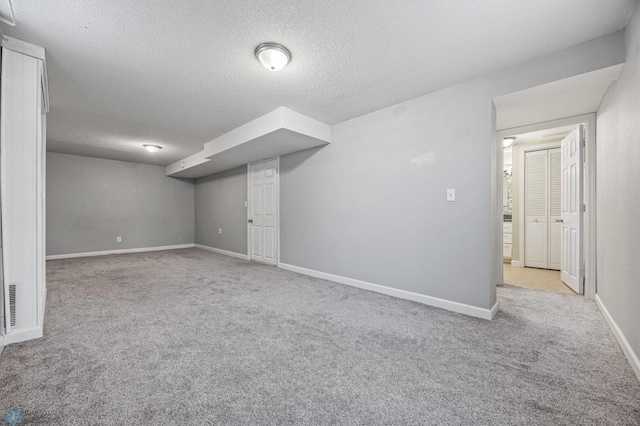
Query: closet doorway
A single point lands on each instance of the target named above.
(542, 209)
(263, 220)
(545, 197)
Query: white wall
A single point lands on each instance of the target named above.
(515, 203)
(618, 189)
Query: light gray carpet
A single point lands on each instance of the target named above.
(192, 337)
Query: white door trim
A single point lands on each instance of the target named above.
(589, 195)
(277, 159)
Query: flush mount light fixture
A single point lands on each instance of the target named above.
(152, 148)
(273, 56)
(508, 141)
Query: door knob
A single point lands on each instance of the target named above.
(250, 221)
(559, 220)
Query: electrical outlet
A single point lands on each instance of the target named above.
(219, 230)
(118, 239)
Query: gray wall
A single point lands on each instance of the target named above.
(90, 201)
(220, 204)
(371, 205)
(618, 188)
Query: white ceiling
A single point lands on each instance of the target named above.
(180, 74)
(555, 134)
(543, 136)
(569, 97)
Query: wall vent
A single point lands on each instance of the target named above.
(12, 306)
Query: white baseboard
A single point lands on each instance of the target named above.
(44, 307)
(17, 335)
(626, 348)
(225, 252)
(494, 309)
(402, 294)
(516, 263)
(107, 252)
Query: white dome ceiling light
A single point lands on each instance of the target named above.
(152, 148)
(273, 56)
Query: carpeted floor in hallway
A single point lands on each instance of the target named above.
(192, 337)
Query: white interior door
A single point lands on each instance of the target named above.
(535, 227)
(263, 211)
(555, 209)
(572, 272)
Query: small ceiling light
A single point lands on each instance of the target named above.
(152, 148)
(273, 56)
(508, 141)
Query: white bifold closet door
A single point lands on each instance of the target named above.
(543, 199)
(555, 209)
(536, 206)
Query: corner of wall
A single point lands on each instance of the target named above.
(632, 35)
(616, 222)
(628, 351)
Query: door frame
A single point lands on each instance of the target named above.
(277, 159)
(589, 194)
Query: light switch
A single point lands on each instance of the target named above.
(246, 204)
(451, 194)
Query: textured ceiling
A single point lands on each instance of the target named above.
(181, 73)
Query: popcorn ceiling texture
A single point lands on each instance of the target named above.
(180, 74)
